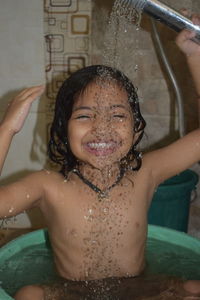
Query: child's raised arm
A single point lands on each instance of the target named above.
(14, 118)
(192, 51)
(175, 158)
(18, 196)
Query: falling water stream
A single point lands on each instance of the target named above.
(123, 23)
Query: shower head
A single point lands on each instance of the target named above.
(166, 15)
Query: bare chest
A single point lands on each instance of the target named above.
(99, 235)
(83, 216)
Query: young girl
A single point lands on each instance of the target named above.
(96, 206)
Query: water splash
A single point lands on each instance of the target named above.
(124, 21)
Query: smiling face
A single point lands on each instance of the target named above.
(100, 130)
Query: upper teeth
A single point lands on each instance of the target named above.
(100, 145)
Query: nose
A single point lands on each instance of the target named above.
(101, 125)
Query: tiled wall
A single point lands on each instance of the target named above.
(67, 29)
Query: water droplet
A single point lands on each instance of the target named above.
(90, 211)
(105, 210)
(11, 209)
(47, 171)
(86, 274)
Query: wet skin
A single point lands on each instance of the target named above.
(100, 239)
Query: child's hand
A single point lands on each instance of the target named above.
(19, 107)
(184, 39)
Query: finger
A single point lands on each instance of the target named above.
(29, 91)
(196, 19)
(185, 12)
(184, 35)
(34, 95)
(26, 92)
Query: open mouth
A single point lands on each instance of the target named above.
(101, 148)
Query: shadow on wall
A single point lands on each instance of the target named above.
(39, 142)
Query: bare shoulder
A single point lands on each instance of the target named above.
(49, 177)
(39, 180)
(27, 192)
(149, 158)
(40, 176)
(144, 172)
(170, 160)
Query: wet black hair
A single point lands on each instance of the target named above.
(58, 148)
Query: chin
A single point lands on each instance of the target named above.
(104, 162)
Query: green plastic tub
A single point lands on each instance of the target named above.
(171, 202)
(28, 259)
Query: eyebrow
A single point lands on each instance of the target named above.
(91, 108)
(82, 108)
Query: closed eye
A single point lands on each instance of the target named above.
(119, 116)
(83, 117)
